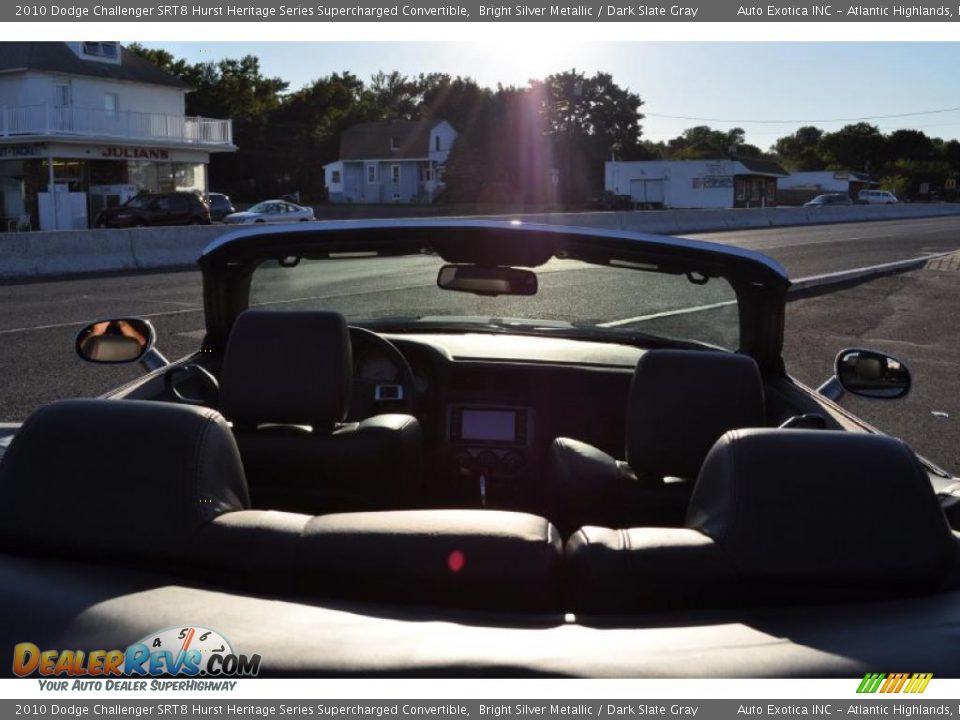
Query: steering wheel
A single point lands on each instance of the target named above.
(370, 397)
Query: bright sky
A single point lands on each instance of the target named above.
(804, 83)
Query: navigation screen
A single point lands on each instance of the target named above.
(491, 425)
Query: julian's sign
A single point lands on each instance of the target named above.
(125, 153)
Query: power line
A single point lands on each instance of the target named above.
(794, 122)
(780, 133)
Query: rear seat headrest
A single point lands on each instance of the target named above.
(287, 367)
(682, 401)
(117, 478)
(834, 505)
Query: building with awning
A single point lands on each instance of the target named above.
(722, 183)
(87, 125)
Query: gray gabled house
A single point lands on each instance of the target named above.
(390, 161)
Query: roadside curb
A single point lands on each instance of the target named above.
(843, 277)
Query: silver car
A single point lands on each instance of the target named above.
(271, 211)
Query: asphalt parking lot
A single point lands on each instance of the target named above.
(910, 315)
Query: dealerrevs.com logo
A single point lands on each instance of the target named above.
(181, 651)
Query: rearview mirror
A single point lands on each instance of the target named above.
(487, 280)
(115, 341)
(872, 374)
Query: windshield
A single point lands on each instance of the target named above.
(261, 207)
(573, 298)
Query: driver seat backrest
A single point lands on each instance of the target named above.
(285, 385)
(680, 403)
(117, 480)
(779, 516)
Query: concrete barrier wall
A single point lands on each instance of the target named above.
(76, 252)
(673, 222)
(73, 252)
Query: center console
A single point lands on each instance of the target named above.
(487, 451)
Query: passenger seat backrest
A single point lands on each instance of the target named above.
(107, 479)
(822, 506)
(682, 401)
(778, 516)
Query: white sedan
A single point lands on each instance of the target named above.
(270, 211)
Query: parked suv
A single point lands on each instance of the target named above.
(220, 205)
(170, 208)
(877, 197)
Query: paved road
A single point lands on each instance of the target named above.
(38, 321)
(910, 315)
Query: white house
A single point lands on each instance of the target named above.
(84, 125)
(744, 182)
(391, 161)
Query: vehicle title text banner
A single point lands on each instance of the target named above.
(70, 705)
(474, 11)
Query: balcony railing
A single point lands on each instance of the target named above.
(122, 125)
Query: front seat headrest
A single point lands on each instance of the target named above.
(682, 401)
(822, 507)
(291, 367)
(117, 478)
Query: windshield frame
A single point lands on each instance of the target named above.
(759, 283)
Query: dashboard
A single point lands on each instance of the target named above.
(490, 406)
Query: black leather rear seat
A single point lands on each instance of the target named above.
(161, 486)
(778, 516)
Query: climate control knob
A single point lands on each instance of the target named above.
(462, 459)
(487, 460)
(513, 462)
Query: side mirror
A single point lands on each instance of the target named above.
(122, 340)
(482, 280)
(869, 374)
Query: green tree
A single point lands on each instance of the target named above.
(950, 152)
(304, 132)
(909, 145)
(589, 120)
(854, 147)
(703, 142)
(395, 96)
(801, 151)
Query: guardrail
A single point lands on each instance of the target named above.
(71, 252)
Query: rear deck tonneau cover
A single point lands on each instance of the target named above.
(77, 606)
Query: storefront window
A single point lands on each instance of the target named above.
(143, 175)
(107, 172)
(183, 176)
(166, 177)
(69, 173)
